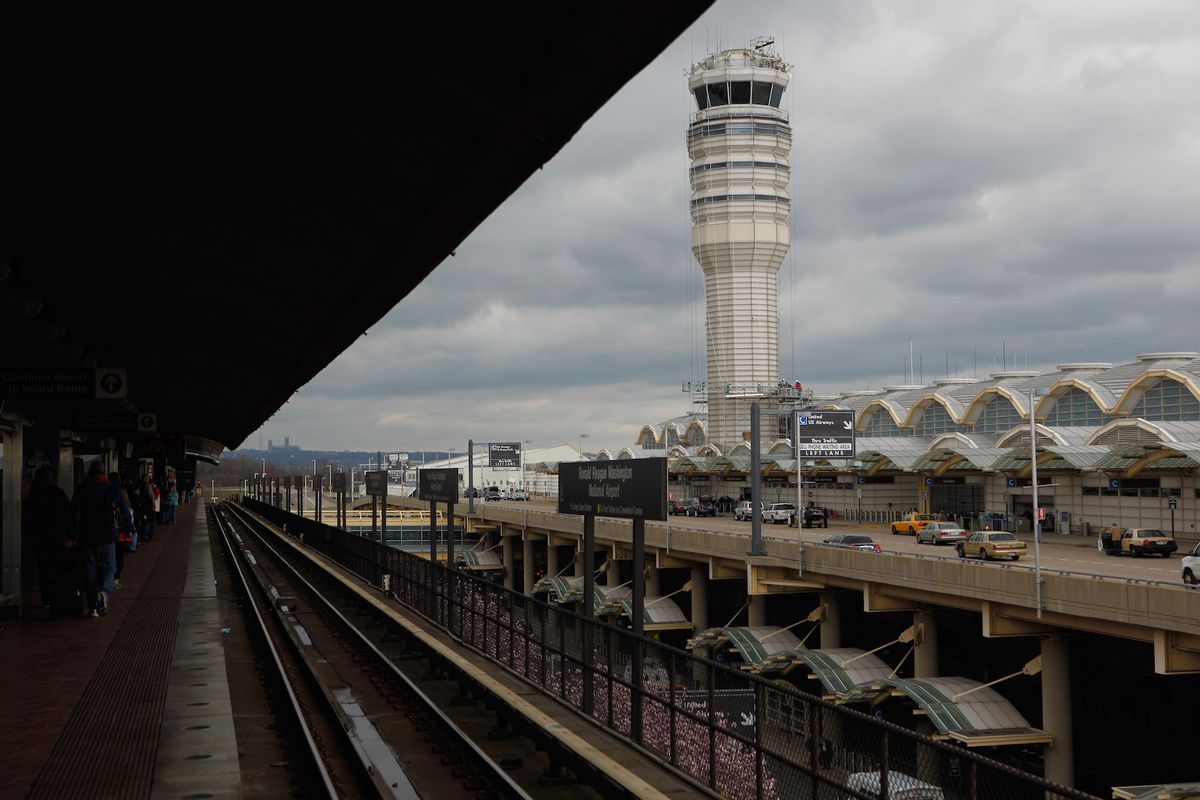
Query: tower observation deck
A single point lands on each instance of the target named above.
(739, 141)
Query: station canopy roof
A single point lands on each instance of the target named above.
(221, 199)
(981, 718)
(836, 676)
(766, 649)
(1159, 791)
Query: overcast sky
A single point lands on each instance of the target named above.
(963, 174)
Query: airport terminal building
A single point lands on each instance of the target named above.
(1114, 442)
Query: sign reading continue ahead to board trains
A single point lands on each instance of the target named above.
(824, 434)
(440, 485)
(504, 454)
(628, 488)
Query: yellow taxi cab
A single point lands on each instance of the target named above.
(911, 523)
(991, 544)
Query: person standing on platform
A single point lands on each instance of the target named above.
(149, 509)
(50, 510)
(171, 503)
(157, 501)
(97, 507)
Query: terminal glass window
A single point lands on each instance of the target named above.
(776, 94)
(740, 92)
(1076, 408)
(762, 94)
(1167, 400)
(881, 424)
(935, 421)
(701, 97)
(718, 94)
(998, 415)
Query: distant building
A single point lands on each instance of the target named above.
(287, 447)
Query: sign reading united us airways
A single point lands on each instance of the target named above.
(504, 454)
(824, 434)
(627, 488)
(440, 485)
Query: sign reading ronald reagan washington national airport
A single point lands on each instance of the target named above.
(627, 488)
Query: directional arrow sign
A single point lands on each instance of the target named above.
(147, 422)
(824, 434)
(111, 384)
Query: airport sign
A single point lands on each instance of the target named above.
(339, 482)
(631, 488)
(823, 434)
(504, 454)
(377, 483)
(438, 485)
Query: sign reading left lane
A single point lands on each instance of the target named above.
(628, 488)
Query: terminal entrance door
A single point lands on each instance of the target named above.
(956, 500)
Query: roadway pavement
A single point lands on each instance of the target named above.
(1074, 554)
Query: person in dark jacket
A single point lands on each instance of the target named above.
(98, 507)
(52, 530)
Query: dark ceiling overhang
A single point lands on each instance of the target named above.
(221, 199)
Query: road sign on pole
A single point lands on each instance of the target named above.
(824, 434)
(504, 454)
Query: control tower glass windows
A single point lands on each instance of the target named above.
(762, 94)
(718, 94)
(776, 94)
(702, 97)
(740, 92)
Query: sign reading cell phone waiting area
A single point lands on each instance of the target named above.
(824, 434)
(634, 488)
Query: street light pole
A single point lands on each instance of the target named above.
(582, 436)
(1037, 523)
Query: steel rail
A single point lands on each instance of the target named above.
(314, 751)
(482, 759)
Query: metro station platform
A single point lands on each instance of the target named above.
(134, 704)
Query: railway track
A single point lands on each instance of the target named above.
(377, 719)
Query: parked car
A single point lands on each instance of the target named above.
(940, 533)
(517, 494)
(911, 523)
(1191, 568)
(815, 518)
(991, 544)
(701, 507)
(778, 513)
(854, 541)
(900, 786)
(491, 493)
(677, 507)
(474, 491)
(745, 510)
(1138, 542)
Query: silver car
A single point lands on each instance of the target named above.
(941, 533)
(1191, 569)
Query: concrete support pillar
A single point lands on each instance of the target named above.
(831, 623)
(552, 566)
(925, 655)
(580, 567)
(758, 611)
(700, 598)
(506, 547)
(611, 576)
(527, 567)
(1056, 710)
(653, 585)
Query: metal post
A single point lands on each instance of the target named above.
(1037, 523)
(756, 545)
(375, 519)
(383, 516)
(450, 576)
(799, 493)
(589, 590)
(639, 625)
(470, 476)
(433, 531)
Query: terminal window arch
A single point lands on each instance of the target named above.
(1076, 408)
(881, 424)
(998, 415)
(935, 420)
(695, 437)
(672, 437)
(1167, 401)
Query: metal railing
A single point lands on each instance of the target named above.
(740, 735)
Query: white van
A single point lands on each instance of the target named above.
(900, 786)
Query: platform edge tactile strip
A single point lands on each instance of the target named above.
(107, 748)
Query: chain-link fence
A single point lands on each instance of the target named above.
(742, 736)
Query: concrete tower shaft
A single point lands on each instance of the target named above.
(739, 142)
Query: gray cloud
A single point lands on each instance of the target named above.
(963, 174)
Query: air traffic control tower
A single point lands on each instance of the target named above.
(739, 142)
